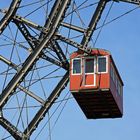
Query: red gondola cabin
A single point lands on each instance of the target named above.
(96, 84)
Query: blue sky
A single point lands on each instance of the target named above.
(122, 39)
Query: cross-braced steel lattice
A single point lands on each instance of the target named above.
(36, 38)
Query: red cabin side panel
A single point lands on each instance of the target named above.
(75, 82)
(103, 81)
(90, 81)
(75, 79)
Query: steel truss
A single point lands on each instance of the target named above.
(48, 39)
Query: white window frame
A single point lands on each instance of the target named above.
(94, 65)
(94, 73)
(80, 66)
(106, 64)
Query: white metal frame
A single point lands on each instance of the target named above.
(106, 64)
(80, 67)
(93, 73)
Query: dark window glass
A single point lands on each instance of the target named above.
(89, 65)
(111, 71)
(119, 88)
(76, 66)
(102, 64)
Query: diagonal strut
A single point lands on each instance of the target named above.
(29, 62)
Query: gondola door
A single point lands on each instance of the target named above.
(89, 77)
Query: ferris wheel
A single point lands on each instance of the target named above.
(44, 44)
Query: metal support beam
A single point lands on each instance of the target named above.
(54, 11)
(49, 102)
(31, 60)
(8, 16)
(20, 21)
(60, 54)
(14, 66)
(33, 42)
(9, 63)
(137, 2)
(27, 66)
(31, 94)
(30, 23)
(96, 17)
(73, 27)
(18, 135)
(53, 61)
(25, 21)
(74, 44)
(93, 22)
(30, 39)
(59, 4)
